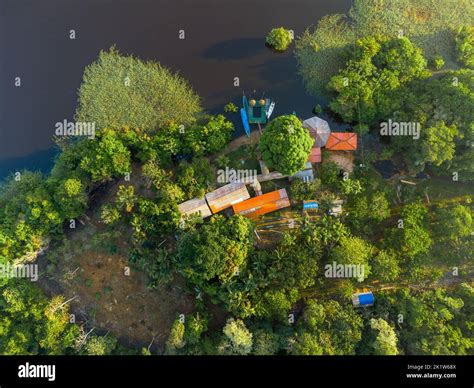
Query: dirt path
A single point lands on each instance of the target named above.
(242, 140)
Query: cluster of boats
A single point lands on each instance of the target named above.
(255, 111)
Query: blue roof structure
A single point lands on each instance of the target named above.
(310, 205)
(363, 299)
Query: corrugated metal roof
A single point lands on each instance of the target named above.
(342, 141)
(315, 155)
(306, 174)
(262, 204)
(226, 196)
(194, 206)
(363, 299)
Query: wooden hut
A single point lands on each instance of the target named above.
(195, 206)
(226, 196)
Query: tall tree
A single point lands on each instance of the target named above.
(285, 144)
(378, 66)
(385, 342)
(106, 156)
(238, 339)
(215, 253)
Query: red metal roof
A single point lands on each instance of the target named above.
(342, 141)
(315, 155)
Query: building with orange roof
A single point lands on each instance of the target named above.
(315, 155)
(342, 141)
(226, 196)
(262, 204)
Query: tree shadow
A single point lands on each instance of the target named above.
(235, 49)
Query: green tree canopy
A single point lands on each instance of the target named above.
(385, 342)
(217, 251)
(30, 324)
(237, 338)
(285, 144)
(411, 236)
(330, 329)
(106, 156)
(385, 266)
(465, 46)
(427, 322)
(176, 338)
(453, 223)
(377, 67)
(353, 251)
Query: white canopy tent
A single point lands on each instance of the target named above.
(319, 130)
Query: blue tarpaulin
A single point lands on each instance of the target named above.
(310, 205)
(364, 299)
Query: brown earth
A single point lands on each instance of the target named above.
(91, 266)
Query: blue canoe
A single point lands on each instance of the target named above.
(245, 121)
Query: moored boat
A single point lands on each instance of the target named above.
(270, 109)
(245, 119)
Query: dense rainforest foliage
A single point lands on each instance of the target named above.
(273, 299)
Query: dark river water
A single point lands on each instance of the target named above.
(223, 39)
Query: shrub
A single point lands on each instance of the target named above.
(465, 46)
(438, 62)
(230, 108)
(279, 38)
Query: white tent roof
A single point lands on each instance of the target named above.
(319, 130)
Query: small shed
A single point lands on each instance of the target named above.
(306, 174)
(363, 299)
(310, 205)
(195, 206)
(315, 155)
(318, 129)
(226, 196)
(336, 207)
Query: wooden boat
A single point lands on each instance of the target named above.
(270, 109)
(255, 111)
(243, 115)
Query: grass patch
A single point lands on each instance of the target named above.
(244, 157)
(320, 53)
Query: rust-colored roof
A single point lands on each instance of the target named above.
(342, 141)
(262, 204)
(315, 155)
(226, 196)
